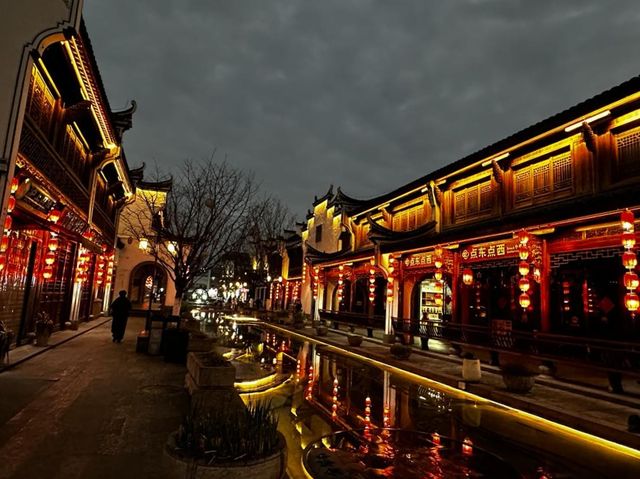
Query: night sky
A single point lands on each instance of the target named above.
(364, 94)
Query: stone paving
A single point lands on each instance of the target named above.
(89, 409)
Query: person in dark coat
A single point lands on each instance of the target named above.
(120, 311)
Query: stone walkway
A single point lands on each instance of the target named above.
(90, 409)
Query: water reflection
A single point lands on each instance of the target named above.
(331, 392)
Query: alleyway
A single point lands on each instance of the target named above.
(89, 409)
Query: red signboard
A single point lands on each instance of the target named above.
(488, 251)
(419, 259)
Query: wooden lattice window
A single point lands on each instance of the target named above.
(473, 201)
(628, 154)
(544, 179)
(40, 102)
(408, 220)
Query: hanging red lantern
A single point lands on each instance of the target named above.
(11, 204)
(52, 244)
(524, 285)
(524, 300)
(628, 240)
(4, 244)
(632, 302)
(438, 275)
(467, 276)
(8, 223)
(47, 272)
(629, 259)
(3, 263)
(15, 182)
(437, 262)
(523, 268)
(523, 252)
(84, 257)
(467, 447)
(627, 219)
(523, 237)
(54, 215)
(631, 281)
(49, 258)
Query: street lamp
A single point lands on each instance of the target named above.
(143, 244)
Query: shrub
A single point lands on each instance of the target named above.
(230, 434)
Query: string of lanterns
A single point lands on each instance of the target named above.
(316, 280)
(372, 283)
(390, 279)
(82, 266)
(334, 400)
(367, 416)
(8, 223)
(524, 268)
(340, 292)
(438, 262)
(309, 395)
(629, 261)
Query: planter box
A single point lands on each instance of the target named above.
(321, 330)
(518, 384)
(471, 371)
(209, 376)
(354, 340)
(42, 339)
(270, 467)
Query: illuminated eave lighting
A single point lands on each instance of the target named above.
(46, 73)
(497, 158)
(598, 116)
(419, 188)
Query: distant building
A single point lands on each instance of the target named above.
(147, 282)
(63, 173)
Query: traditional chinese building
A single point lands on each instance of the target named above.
(521, 238)
(66, 180)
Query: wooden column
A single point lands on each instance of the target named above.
(455, 287)
(545, 272)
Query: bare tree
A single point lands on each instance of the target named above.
(268, 220)
(202, 220)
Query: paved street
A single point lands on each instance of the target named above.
(89, 408)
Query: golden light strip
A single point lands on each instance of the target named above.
(46, 73)
(464, 394)
(381, 205)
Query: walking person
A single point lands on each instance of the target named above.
(120, 311)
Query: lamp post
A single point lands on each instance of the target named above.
(143, 244)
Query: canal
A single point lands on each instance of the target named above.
(345, 415)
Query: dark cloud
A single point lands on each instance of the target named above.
(367, 94)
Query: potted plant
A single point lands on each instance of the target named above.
(354, 339)
(44, 328)
(232, 443)
(471, 371)
(400, 351)
(518, 378)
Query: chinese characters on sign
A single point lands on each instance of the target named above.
(503, 249)
(421, 259)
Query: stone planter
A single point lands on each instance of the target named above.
(42, 339)
(471, 371)
(209, 376)
(400, 351)
(270, 467)
(354, 340)
(321, 330)
(518, 383)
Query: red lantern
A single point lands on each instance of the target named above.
(3, 263)
(631, 281)
(467, 447)
(52, 244)
(8, 223)
(523, 252)
(437, 262)
(629, 259)
(47, 272)
(4, 244)
(524, 300)
(631, 301)
(523, 268)
(15, 182)
(54, 215)
(84, 257)
(628, 240)
(523, 237)
(49, 258)
(524, 285)
(627, 219)
(11, 204)
(467, 276)
(437, 275)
